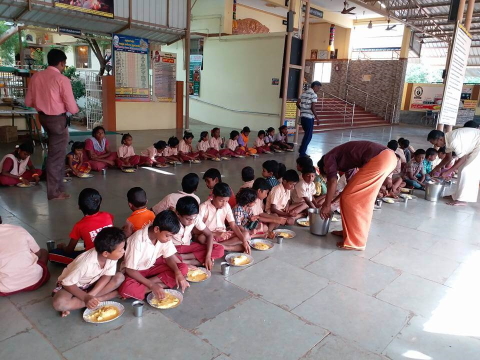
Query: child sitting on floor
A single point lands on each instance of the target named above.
(394, 182)
(23, 263)
(204, 149)
(18, 168)
(404, 144)
(428, 163)
(441, 155)
(213, 177)
(189, 186)
(260, 145)
(270, 139)
(232, 145)
(281, 171)
(279, 197)
(75, 163)
(155, 153)
(304, 191)
(243, 213)
(185, 151)
(92, 277)
(170, 153)
(262, 188)
(269, 172)
(86, 229)
(413, 174)
(243, 141)
(126, 155)
(194, 253)
(218, 144)
(98, 152)
(141, 216)
(281, 139)
(215, 212)
(150, 261)
(248, 176)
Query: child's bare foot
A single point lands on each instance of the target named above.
(65, 313)
(338, 233)
(457, 203)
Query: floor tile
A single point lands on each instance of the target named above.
(12, 320)
(280, 283)
(455, 250)
(255, 327)
(160, 338)
(28, 345)
(425, 265)
(415, 294)
(355, 272)
(414, 342)
(204, 301)
(334, 347)
(369, 322)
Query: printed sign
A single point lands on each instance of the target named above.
(194, 74)
(64, 30)
(93, 7)
(164, 76)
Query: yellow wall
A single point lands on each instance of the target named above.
(273, 22)
(318, 37)
(212, 16)
(237, 75)
(145, 115)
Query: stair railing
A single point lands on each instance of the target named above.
(346, 108)
(388, 115)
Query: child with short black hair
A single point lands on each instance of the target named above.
(92, 277)
(303, 161)
(74, 160)
(17, 168)
(93, 221)
(429, 162)
(262, 188)
(279, 197)
(281, 171)
(414, 174)
(404, 144)
(304, 191)
(243, 141)
(126, 157)
(243, 213)
(189, 186)
(270, 139)
(155, 153)
(204, 150)
(218, 144)
(212, 177)
(185, 151)
(269, 172)
(248, 176)
(141, 216)
(441, 155)
(232, 144)
(281, 139)
(171, 151)
(150, 260)
(194, 253)
(260, 145)
(215, 212)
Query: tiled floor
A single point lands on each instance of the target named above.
(413, 294)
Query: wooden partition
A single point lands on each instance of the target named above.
(108, 104)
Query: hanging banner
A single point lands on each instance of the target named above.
(130, 56)
(455, 75)
(290, 116)
(194, 77)
(164, 76)
(93, 7)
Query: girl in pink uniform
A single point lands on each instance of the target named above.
(204, 148)
(217, 145)
(185, 151)
(75, 163)
(126, 155)
(17, 167)
(155, 153)
(260, 144)
(232, 144)
(171, 151)
(97, 150)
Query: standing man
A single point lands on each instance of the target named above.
(50, 93)
(306, 105)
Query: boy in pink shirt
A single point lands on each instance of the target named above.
(23, 265)
(92, 277)
(305, 190)
(215, 212)
(189, 186)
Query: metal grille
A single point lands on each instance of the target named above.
(93, 98)
(12, 86)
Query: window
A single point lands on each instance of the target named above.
(82, 57)
(322, 72)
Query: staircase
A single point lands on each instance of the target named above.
(336, 114)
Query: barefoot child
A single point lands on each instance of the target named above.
(194, 253)
(185, 151)
(232, 144)
(213, 177)
(281, 139)
(126, 155)
(413, 173)
(278, 199)
(260, 145)
(248, 176)
(215, 212)
(86, 229)
(243, 212)
(243, 141)
(270, 139)
(189, 186)
(262, 188)
(171, 151)
(217, 145)
(92, 277)
(155, 153)
(23, 264)
(17, 167)
(75, 163)
(204, 149)
(98, 152)
(304, 191)
(429, 162)
(141, 216)
(150, 260)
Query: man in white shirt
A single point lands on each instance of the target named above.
(306, 105)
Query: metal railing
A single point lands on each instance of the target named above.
(389, 113)
(345, 108)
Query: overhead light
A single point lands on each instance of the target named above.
(370, 25)
(383, 5)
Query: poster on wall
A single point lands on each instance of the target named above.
(131, 68)
(290, 116)
(164, 76)
(194, 74)
(93, 7)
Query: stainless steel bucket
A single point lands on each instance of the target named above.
(318, 226)
(433, 190)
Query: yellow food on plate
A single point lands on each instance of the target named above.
(389, 201)
(261, 246)
(129, 170)
(23, 185)
(404, 190)
(409, 197)
(168, 302)
(304, 223)
(196, 275)
(105, 313)
(285, 235)
(240, 260)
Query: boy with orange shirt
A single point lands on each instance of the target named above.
(141, 216)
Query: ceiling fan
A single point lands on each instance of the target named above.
(388, 28)
(346, 11)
